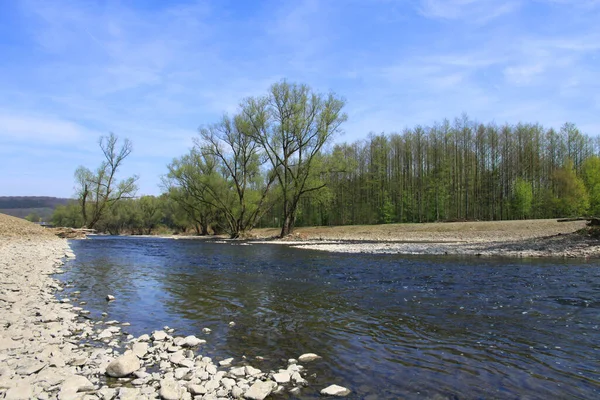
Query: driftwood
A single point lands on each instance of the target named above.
(72, 233)
(592, 221)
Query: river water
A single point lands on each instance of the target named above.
(387, 326)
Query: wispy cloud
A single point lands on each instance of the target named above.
(36, 128)
(475, 11)
(154, 72)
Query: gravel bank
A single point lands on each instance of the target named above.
(49, 350)
(529, 238)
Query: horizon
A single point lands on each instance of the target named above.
(154, 74)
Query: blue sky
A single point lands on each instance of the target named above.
(154, 71)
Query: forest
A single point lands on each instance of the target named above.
(279, 162)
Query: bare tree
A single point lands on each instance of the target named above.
(98, 192)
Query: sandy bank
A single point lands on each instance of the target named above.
(49, 350)
(527, 238)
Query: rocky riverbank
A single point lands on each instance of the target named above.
(50, 350)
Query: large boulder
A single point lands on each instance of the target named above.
(123, 366)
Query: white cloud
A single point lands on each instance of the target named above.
(477, 11)
(45, 129)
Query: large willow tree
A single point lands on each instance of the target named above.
(292, 124)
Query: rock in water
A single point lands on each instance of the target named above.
(191, 341)
(260, 390)
(308, 357)
(123, 366)
(110, 297)
(282, 377)
(159, 336)
(335, 390)
(226, 362)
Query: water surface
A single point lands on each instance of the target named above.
(387, 326)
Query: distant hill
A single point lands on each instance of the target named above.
(22, 206)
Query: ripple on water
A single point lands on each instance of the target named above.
(386, 326)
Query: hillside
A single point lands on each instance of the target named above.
(22, 206)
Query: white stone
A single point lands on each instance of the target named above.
(144, 338)
(20, 392)
(260, 390)
(296, 377)
(105, 334)
(170, 390)
(197, 390)
(237, 392)
(110, 297)
(211, 369)
(228, 383)
(226, 362)
(238, 371)
(282, 377)
(181, 372)
(77, 383)
(252, 371)
(191, 341)
(308, 357)
(140, 349)
(123, 366)
(159, 336)
(129, 393)
(335, 390)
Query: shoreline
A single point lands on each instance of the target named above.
(520, 239)
(49, 349)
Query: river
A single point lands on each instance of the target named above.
(386, 326)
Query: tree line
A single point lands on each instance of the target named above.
(274, 163)
(457, 171)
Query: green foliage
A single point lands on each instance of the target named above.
(522, 199)
(591, 178)
(222, 176)
(33, 217)
(387, 214)
(571, 196)
(67, 216)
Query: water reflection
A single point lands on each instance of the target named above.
(386, 326)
